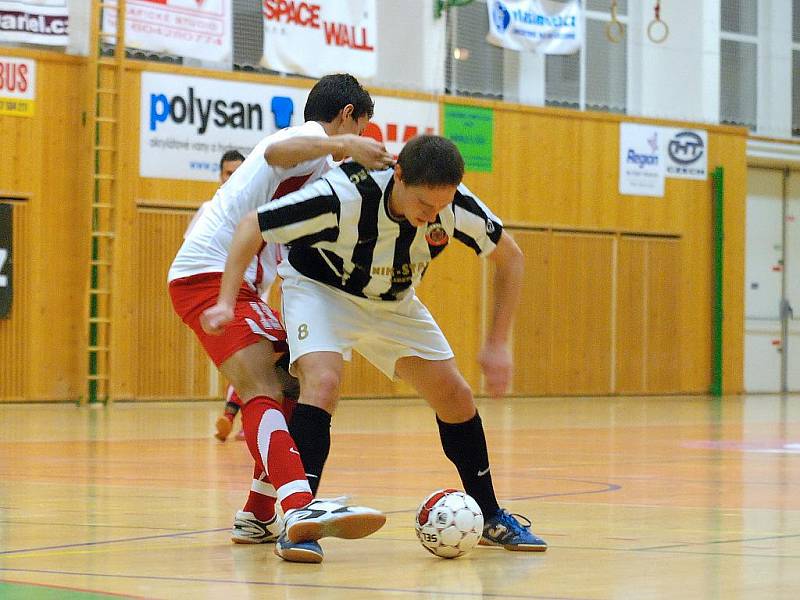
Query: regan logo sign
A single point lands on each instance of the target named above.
(641, 167)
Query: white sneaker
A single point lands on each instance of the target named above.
(249, 530)
(323, 518)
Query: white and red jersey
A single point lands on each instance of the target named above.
(254, 183)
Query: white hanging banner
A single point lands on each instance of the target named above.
(535, 25)
(34, 22)
(322, 37)
(198, 29)
(641, 160)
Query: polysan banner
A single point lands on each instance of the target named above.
(319, 38)
(187, 123)
(535, 25)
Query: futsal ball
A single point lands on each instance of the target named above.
(449, 523)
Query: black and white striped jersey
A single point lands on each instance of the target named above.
(340, 233)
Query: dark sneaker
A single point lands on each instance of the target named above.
(304, 552)
(325, 518)
(504, 529)
(249, 530)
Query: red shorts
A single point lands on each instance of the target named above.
(253, 319)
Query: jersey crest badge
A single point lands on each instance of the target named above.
(436, 235)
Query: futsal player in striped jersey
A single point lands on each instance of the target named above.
(336, 113)
(359, 242)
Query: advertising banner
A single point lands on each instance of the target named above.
(397, 120)
(686, 153)
(535, 25)
(17, 86)
(34, 22)
(187, 123)
(198, 29)
(319, 38)
(472, 130)
(641, 162)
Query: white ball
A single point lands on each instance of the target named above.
(449, 523)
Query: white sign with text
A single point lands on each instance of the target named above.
(187, 123)
(190, 28)
(322, 37)
(641, 164)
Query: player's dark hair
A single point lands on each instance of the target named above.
(230, 155)
(332, 93)
(431, 160)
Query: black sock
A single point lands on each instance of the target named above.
(465, 445)
(311, 431)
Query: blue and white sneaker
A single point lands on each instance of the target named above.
(326, 518)
(249, 530)
(304, 552)
(504, 529)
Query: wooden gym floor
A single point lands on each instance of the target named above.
(641, 498)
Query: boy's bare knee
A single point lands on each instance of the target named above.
(321, 389)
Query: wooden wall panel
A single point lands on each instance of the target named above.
(729, 151)
(552, 168)
(41, 164)
(581, 299)
(664, 360)
(14, 342)
(631, 315)
(167, 358)
(533, 329)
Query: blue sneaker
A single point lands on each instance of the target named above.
(504, 529)
(304, 552)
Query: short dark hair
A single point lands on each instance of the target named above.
(431, 160)
(230, 155)
(332, 93)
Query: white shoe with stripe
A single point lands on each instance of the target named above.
(324, 518)
(249, 530)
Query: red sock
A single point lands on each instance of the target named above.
(271, 445)
(261, 501)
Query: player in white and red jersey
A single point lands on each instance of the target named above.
(266, 273)
(337, 112)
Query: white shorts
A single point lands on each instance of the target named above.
(320, 318)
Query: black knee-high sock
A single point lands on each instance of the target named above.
(465, 445)
(311, 431)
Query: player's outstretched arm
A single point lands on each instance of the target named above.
(289, 153)
(246, 243)
(495, 356)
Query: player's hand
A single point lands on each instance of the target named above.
(497, 367)
(369, 152)
(214, 319)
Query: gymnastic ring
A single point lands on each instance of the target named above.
(651, 29)
(615, 31)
